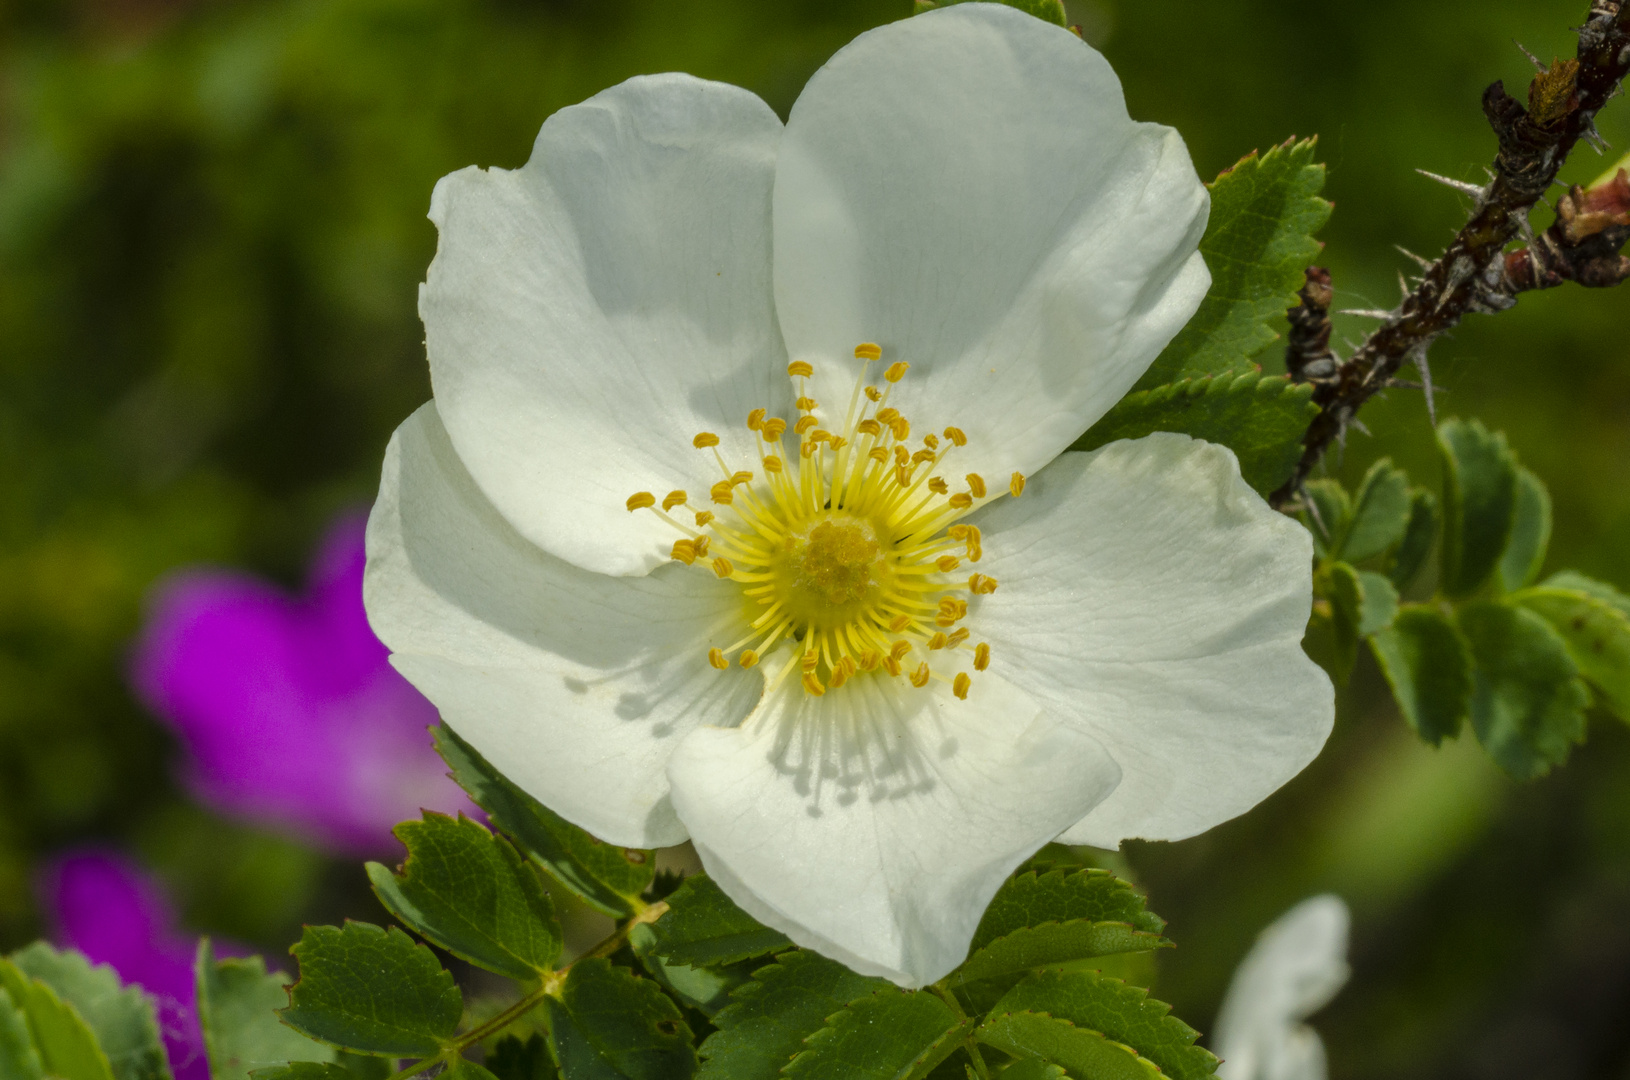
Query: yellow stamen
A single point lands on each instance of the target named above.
(919, 678)
(673, 499)
(804, 424)
(640, 500)
(748, 658)
(976, 485)
(874, 393)
(716, 658)
(800, 369)
(938, 486)
(896, 371)
(937, 641)
(981, 656)
(704, 440)
(721, 493)
(960, 501)
(806, 404)
(958, 636)
(703, 517)
(868, 351)
(700, 546)
(947, 563)
(956, 436)
(959, 685)
(722, 567)
(773, 427)
(1016, 485)
(684, 551)
(773, 464)
(980, 585)
(755, 419)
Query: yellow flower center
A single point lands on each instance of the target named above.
(851, 553)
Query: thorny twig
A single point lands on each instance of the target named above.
(1475, 274)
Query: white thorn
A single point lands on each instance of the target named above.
(1461, 186)
(1525, 228)
(1426, 384)
(1596, 139)
(1531, 57)
(1420, 261)
(1367, 313)
(1403, 286)
(1359, 424)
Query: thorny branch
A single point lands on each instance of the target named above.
(1475, 274)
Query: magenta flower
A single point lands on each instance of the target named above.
(104, 906)
(287, 706)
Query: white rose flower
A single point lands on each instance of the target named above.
(805, 642)
(1296, 966)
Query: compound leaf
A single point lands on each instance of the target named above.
(1032, 947)
(1062, 895)
(1034, 1069)
(890, 1034)
(64, 1041)
(1084, 1052)
(512, 1059)
(1597, 635)
(1479, 501)
(1328, 515)
(610, 1024)
(19, 1058)
(1378, 602)
(703, 927)
(706, 989)
(770, 1016)
(120, 1017)
(1428, 664)
(1258, 243)
(469, 892)
(1530, 533)
(304, 1070)
(1601, 590)
(1261, 418)
(1381, 511)
(237, 1009)
(1528, 701)
(1419, 536)
(372, 990)
(609, 879)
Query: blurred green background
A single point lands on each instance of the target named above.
(211, 229)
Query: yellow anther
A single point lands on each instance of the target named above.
(961, 500)
(870, 659)
(956, 436)
(878, 454)
(901, 428)
(923, 455)
(700, 546)
(869, 427)
(673, 499)
(811, 660)
(899, 649)
(981, 656)
(902, 475)
(684, 551)
(947, 563)
(919, 678)
(868, 351)
(808, 449)
(805, 404)
(742, 477)
(958, 532)
(755, 419)
(976, 484)
(820, 435)
(773, 464)
(773, 427)
(887, 416)
(839, 442)
(804, 424)
(800, 369)
(931, 441)
(892, 666)
(748, 658)
(812, 684)
(721, 493)
(703, 517)
(938, 486)
(896, 371)
(958, 636)
(839, 677)
(980, 585)
(704, 440)
(1016, 485)
(874, 393)
(959, 685)
(975, 552)
(722, 567)
(716, 658)
(937, 641)
(640, 500)
(901, 454)
(974, 534)
(899, 623)
(956, 609)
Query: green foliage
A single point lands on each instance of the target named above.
(607, 878)
(609, 1024)
(1530, 533)
(1428, 664)
(770, 1016)
(305, 1070)
(512, 1059)
(1381, 513)
(1597, 636)
(704, 928)
(1528, 701)
(1084, 1052)
(1034, 1069)
(469, 892)
(1047, 10)
(1479, 499)
(62, 1040)
(1413, 551)
(705, 989)
(237, 1009)
(18, 1057)
(372, 990)
(890, 1034)
(120, 1017)
(1328, 516)
(1258, 242)
(1057, 895)
(1260, 418)
(1032, 947)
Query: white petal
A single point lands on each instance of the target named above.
(1296, 966)
(874, 824)
(590, 313)
(578, 686)
(1149, 595)
(966, 189)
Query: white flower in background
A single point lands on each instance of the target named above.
(675, 593)
(1296, 966)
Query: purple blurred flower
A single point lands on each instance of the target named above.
(288, 707)
(103, 905)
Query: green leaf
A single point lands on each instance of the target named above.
(706, 989)
(512, 1059)
(607, 878)
(1121, 1013)
(1062, 895)
(237, 1009)
(121, 1017)
(463, 1068)
(1419, 537)
(1339, 614)
(1380, 512)
(1527, 699)
(1479, 499)
(1574, 581)
(1032, 1069)
(1328, 516)
(890, 1034)
(469, 892)
(703, 927)
(372, 990)
(1428, 664)
(66, 1045)
(19, 1058)
(1261, 418)
(1378, 602)
(304, 1070)
(1597, 635)
(1258, 244)
(1084, 1052)
(1047, 10)
(1055, 943)
(769, 1017)
(609, 1024)
(1530, 533)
